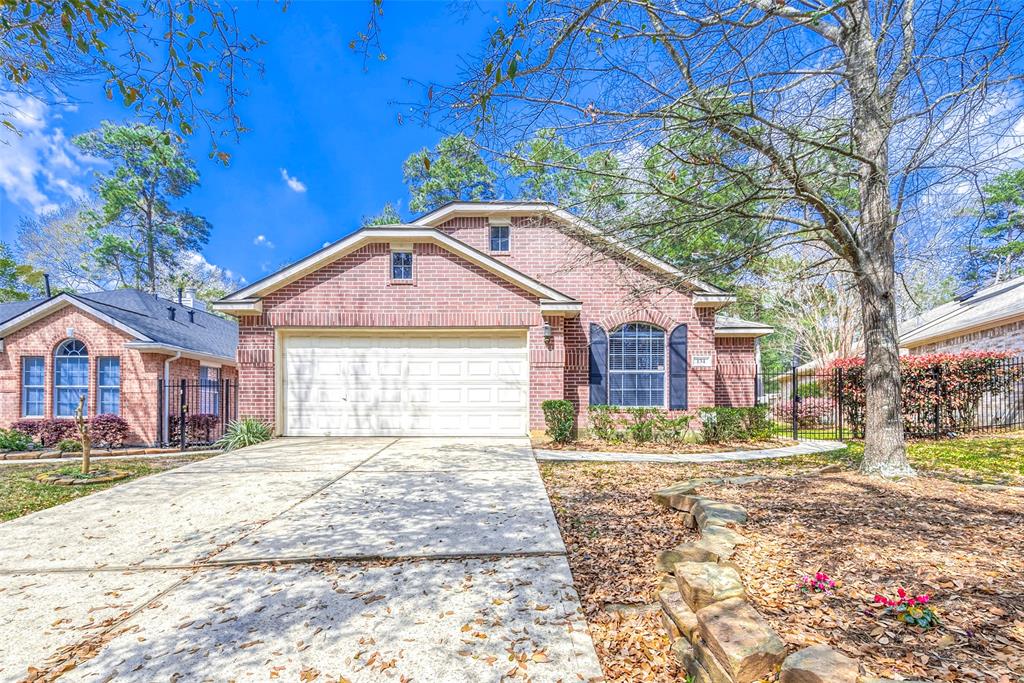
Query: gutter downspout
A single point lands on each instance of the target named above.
(167, 396)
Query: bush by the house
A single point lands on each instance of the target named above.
(198, 427)
(69, 445)
(640, 424)
(603, 423)
(560, 418)
(811, 412)
(671, 430)
(735, 424)
(52, 432)
(948, 385)
(108, 431)
(14, 440)
(245, 432)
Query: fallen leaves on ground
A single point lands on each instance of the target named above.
(963, 545)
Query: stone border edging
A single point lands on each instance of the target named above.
(805, 447)
(716, 635)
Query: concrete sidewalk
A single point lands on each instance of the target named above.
(803, 448)
(426, 558)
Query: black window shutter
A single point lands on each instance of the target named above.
(677, 369)
(598, 366)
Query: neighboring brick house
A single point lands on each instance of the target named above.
(466, 320)
(113, 347)
(988, 319)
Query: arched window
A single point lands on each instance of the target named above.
(70, 378)
(636, 366)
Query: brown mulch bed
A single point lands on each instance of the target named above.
(963, 545)
(659, 448)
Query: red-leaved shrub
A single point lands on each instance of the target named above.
(108, 431)
(947, 386)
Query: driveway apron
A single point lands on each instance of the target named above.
(429, 559)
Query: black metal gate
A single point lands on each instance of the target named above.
(199, 411)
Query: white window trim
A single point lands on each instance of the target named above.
(412, 265)
(58, 387)
(508, 238)
(101, 387)
(663, 371)
(25, 387)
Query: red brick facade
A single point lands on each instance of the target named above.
(448, 291)
(139, 371)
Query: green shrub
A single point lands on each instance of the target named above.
(757, 424)
(245, 432)
(641, 424)
(735, 424)
(604, 423)
(69, 446)
(13, 440)
(560, 418)
(670, 430)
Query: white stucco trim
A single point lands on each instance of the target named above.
(388, 234)
(55, 304)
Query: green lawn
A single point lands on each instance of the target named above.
(21, 494)
(991, 458)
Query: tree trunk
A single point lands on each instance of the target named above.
(885, 451)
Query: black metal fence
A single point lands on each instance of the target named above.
(204, 408)
(938, 402)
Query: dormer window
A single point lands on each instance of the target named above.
(401, 265)
(499, 238)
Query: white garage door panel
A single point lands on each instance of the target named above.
(406, 383)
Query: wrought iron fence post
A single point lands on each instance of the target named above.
(796, 403)
(938, 401)
(839, 399)
(182, 410)
(160, 436)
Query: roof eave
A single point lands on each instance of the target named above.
(170, 349)
(241, 307)
(400, 233)
(745, 332)
(49, 306)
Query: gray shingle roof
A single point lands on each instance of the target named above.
(148, 314)
(985, 308)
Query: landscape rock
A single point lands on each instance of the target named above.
(831, 469)
(724, 534)
(701, 550)
(712, 513)
(713, 668)
(819, 664)
(678, 612)
(742, 481)
(705, 583)
(871, 679)
(740, 639)
(682, 488)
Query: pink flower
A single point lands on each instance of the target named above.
(902, 593)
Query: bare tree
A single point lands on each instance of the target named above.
(814, 122)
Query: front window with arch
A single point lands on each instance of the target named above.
(636, 366)
(70, 378)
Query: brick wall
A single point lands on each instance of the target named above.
(1008, 337)
(356, 291)
(613, 291)
(139, 371)
(448, 291)
(735, 375)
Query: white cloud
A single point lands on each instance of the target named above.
(293, 183)
(262, 241)
(39, 169)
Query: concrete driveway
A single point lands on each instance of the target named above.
(301, 559)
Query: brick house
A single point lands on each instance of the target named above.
(113, 347)
(467, 319)
(987, 319)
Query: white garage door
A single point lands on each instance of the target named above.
(406, 383)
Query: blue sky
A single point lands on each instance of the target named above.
(316, 113)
